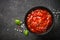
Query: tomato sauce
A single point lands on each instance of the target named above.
(39, 21)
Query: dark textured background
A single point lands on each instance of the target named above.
(17, 9)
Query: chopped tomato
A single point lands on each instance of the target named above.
(38, 21)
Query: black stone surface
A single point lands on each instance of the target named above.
(17, 9)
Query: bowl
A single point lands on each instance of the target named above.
(42, 8)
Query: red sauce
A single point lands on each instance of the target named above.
(39, 21)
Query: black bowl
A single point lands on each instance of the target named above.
(43, 8)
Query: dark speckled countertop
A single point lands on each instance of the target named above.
(17, 9)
